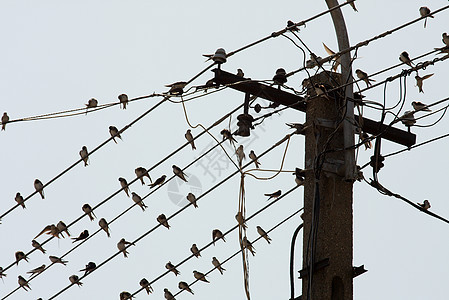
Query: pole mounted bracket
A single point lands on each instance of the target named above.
(317, 266)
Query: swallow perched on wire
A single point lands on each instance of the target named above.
(182, 285)
(217, 265)
(121, 245)
(424, 11)
(57, 260)
(39, 186)
(62, 228)
(162, 219)
(192, 199)
(168, 295)
(298, 126)
(299, 176)
(248, 245)
(114, 133)
(90, 267)
(408, 118)
(126, 295)
(263, 234)
(146, 285)
(92, 103)
(84, 155)
(240, 155)
(227, 135)
(240, 73)
(364, 137)
(274, 195)
(169, 266)
(138, 200)
(240, 219)
(142, 172)
(88, 210)
(158, 181)
(19, 200)
(200, 276)
(23, 283)
(195, 251)
(75, 280)
(104, 225)
(352, 5)
(216, 235)
(189, 138)
(419, 81)
(19, 256)
(425, 205)
(176, 88)
(405, 58)
(420, 106)
(5, 119)
(83, 235)
(36, 270)
(178, 172)
(364, 76)
(445, 39)
(123, 98)
(254, 158)
(38, 246)
(124, 185)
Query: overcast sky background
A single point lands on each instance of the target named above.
(57, 55)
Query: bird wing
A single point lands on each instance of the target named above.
(427, 76)
(328, 50)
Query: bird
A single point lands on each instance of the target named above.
(352, 5)
(240, 73)
(364, 76)
(217, 265)
(90, 267)
(176, 88)
(200, 276)
(240, 155)
(83, 235)
(408, 118)
(216, 235)
(75, 280)
(227, 135)
(240, 219)
(419, 81)
(168, 295)
(280, 77)
(182, 285)
(194, 249)
(420, 106)
(146, 285)
(364, 137)
(163, 220)
(299, 176)
(57, 260)
(405, 58)
(123, 98)
(36, 270)
(253, 157)
(425, 205)
(273, 195)
(142, 172)
(92, 103)
(121, 245)
(445, 40)
(158, 181)
(263, 234)
(23, 283)
(124, 185)
(313, 62)
(114, 133)
(189, 138)
(5, 119)
(298, 126)
(1, 273)
(38, 246)
(51, 230)
(84, 155)
(39, 186)
(104, 225)
(336, 59)
(19, 256)
(88, 210)
(320, 90)
(126, 295)
(248, 245)
(424, 12)
(291, 26)
(19, 200)
(138, 200)
(62, 228)
(178, 172)
(192, 199)
(169, 266)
